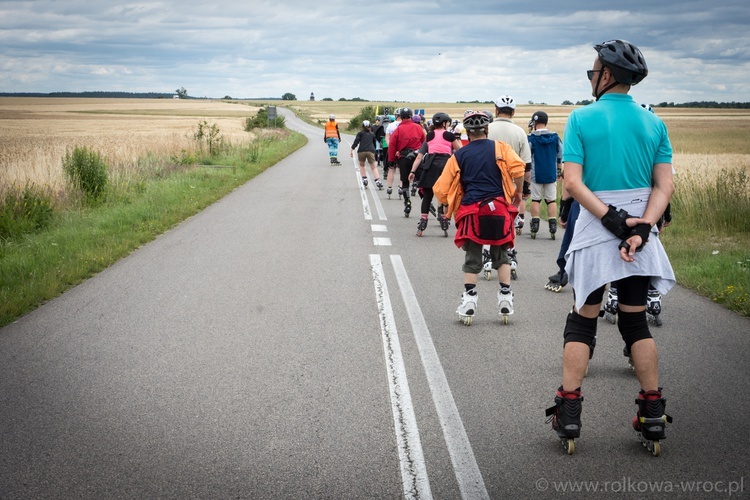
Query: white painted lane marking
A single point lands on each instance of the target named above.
(469, 478)
(363, 195)
(414, 478)
(379, 228)
(382, 242)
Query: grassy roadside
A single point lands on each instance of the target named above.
(79, 243)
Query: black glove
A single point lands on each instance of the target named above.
(565, 208)
(642, 230)
(614, 221)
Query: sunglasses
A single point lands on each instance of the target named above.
(590, 73)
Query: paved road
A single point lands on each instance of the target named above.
(297, 340)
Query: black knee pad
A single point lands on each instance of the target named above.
(633, 327)
(536, 201)
(580, 329)
(549, 202)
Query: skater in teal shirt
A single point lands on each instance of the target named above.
(618, 167)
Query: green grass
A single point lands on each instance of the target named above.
(81, 242)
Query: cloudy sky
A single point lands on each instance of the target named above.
(408, 50)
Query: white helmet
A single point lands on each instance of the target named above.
(331, 117)
(366, 123)
(505, 101)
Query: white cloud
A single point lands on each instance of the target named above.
(390, 50)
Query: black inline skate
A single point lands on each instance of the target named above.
(557, 281)
(519, 224)
(379, 184)
(389, 191)
(552, 228)
(364, 182)
(566, 417)
(487, 262)
(513, 254)
(651, 421)
(653, 307)
(534, 228)
(421, 225)
(407, 203)
(610, 307)
(445, 223)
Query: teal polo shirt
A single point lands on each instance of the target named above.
(617, 142)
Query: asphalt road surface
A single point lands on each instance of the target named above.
(297, 340)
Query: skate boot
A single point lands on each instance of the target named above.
(513, 253)
(487, 262)
(400, 192)
(651, 421)
(407, 204)
(557, 281)
(379, 184)
(610, 307)
(444, 224)
(653, 307)
(566, 417)
(414, 189)
(421, 225)
(468, 307)
(364, 181)
(534, 227)
(505, 303)
(389, 191)
(552, 227)
(519, 225)
(335, 160)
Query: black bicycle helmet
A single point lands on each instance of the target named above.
(439, 118)
(405, 114)
(624, 60)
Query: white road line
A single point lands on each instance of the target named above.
(381, 242)
(469, 478)
(413, 469)
(379, 228)
(363, 194)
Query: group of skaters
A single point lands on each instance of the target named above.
(617, 184)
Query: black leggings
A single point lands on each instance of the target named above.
(427, 195)
(404, 166)
(631, 291)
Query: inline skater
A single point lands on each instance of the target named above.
(402, 151)
(332, 138)
(391, 168)
(439, 144)
(367, 143)
(623, 190)
(481, 184)
(546, 157)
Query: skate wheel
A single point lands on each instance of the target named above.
(505, 319)
(467, 321)
(533, 236)
(488, 275)
(518, 231)
(552, 236)
(655, 448)
(569, 445)
(513, 275)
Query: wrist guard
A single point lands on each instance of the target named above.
(565, 208)
(642, 230)
(614, 221)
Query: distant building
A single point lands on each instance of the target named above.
(175, 96)
(312, 96)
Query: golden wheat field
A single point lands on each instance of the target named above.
(37, 132)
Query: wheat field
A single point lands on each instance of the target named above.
(37, 132)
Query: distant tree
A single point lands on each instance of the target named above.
(289, 97)
(227, 97)
(567, 103)
(327, 99)
(585, 102)
(342, 98)
(181, 93)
